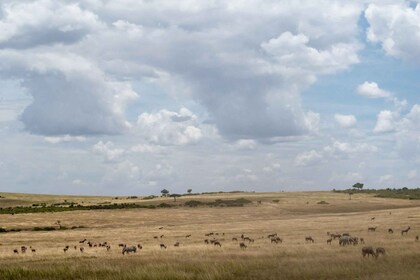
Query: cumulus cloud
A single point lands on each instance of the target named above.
(65, 138)
(344, 148)
(170, 128)
(396, 27)
(308, 158)
(345, 121)
(372, 90)
(108, 150)
(70, 94)
(385, 122)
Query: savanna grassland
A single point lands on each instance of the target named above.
(293, 216)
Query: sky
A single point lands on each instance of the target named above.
(129, 97)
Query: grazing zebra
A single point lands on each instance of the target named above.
(405, 231)
(310, 239)
(242, 245)
(368, 250)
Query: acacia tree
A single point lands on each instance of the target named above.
(175, 195)
(164, 192)
(358, 186)
(189, 191)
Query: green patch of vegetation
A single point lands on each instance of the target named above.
(149, 197)
(193, 203)
(322, 202)
(403, 193)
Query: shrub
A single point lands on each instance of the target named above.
(193, 203)
(322, 202)
(276, 200)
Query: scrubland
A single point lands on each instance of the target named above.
(293, 217)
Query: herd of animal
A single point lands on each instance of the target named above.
(344, 239)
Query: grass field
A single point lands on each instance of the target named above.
(293, 217)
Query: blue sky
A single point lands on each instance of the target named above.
(129, 97)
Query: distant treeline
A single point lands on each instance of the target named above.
(48, 228)
(402, 193)
(42, 208)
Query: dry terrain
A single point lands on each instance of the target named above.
(293, 217)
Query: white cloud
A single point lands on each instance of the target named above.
(108, 150)
(396, 27)
(246, 144)
(346, 148)
(345, 121)
(372, 90)
(64, 138)
(308, 158)
(170, 128)
(385, 122)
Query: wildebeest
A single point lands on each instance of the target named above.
(217, 243)
(121, 245)
(108, 247)
(162, 246)
(373, 218)
(372, 228)
(129, 249)
(276, 240)
(242, 245)
(189, 235)
(362, 240)
(417, 238)
(33, 250)
(380, 250)
(139, 246)
(329, 241)
(271, 235)
(83, 241)
(234, 239)
(368, 250)
(176, 244)
(250, 240)
(405, 231)
(390, 230)
(82, 249)
(161, 228)
(310, 239)
(16, 251)
(346, 234)
(23, 249)
(206, 241)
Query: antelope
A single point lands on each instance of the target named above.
(242, 245)
(405, 231)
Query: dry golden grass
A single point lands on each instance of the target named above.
(295, 216)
